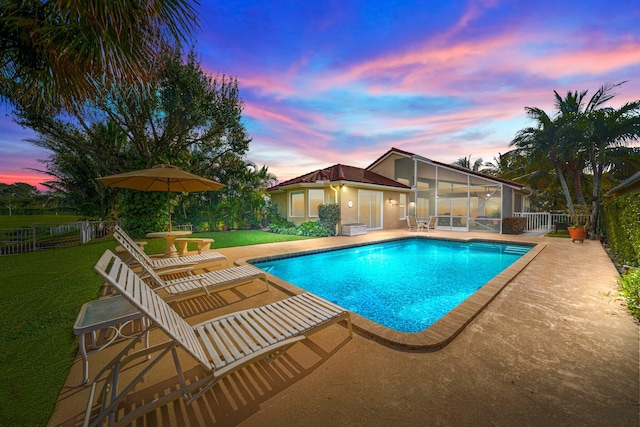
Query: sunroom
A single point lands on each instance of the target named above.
(462, 200)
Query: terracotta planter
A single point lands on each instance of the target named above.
(577, 234)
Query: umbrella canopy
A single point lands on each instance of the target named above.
(161, 178)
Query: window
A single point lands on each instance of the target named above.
(316, 198)
(402, 206)
(296, 204)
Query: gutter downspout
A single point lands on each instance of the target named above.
(335, 190)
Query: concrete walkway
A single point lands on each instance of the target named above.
(556, 347)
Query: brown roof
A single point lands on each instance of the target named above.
(342, 173)
(456, 167)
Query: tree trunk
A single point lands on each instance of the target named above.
(565, 188)
(595, 205)
(577, 185)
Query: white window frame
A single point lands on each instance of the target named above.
(312, 198)
(291, 195)
(402, 205)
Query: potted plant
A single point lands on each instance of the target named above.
(579, 222)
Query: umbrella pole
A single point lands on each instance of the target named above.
(169, 206)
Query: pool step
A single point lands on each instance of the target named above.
(509, 249)
(483, 246)
(518, 250)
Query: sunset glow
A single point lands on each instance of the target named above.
(342, 82)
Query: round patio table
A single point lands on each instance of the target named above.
(170, 249)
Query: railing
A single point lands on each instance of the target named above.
(183, 227)
(542, 221)
(52, 235)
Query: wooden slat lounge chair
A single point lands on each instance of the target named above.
(221, 345)
(189, 284)
(162, 263)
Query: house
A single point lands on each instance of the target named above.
(400, 183)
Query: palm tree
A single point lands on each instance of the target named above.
(610, 131)
(465, 162)
(574, 124)
(52, 53)
(541, 143)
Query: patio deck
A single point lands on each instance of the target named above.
(555, 347)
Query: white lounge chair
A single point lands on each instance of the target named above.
(189, 284)
(137, 253)
(221, 345)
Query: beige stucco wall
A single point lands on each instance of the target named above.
(387, 166)
(349, 215)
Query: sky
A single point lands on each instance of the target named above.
(340, 81)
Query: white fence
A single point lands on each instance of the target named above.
(542, 221)
(52, 235)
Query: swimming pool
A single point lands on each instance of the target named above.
(405, 285)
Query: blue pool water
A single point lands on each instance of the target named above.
(406, 285)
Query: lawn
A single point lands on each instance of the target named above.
(41, 295)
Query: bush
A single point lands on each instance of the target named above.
(144, 212)
(513, 225)
(329, 216)
(629, 285)
(314, 229)
(310, 228)
(621, 226)
(203, 227)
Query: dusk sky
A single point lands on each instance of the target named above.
(328, 82)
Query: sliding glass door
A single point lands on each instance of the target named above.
(370, 209)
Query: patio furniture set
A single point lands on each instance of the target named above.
(143, 287)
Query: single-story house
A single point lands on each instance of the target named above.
(398, 184)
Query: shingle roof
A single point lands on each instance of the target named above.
(342, 173)
(456, 167)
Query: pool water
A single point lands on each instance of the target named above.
(405, 285)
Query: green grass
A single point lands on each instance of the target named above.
(20, 221)
(41, 294)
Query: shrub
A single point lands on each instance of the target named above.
(310, 228)
(513, 225)
(329, 216)
(314, 229)
(144, 212)
(203, 227)
(621, 226)
(629, 285)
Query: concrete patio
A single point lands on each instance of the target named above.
(555, 347)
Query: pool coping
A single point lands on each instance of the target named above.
(443, 331)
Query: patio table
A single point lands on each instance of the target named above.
(113, 313)
(169, 236)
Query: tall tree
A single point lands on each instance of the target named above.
(542, 144)
(610, 130)
(188, 119)
(55, 54)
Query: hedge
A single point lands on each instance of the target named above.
(622, 226)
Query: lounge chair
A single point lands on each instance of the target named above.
(188, 283)
(221, 345)
(130, 246)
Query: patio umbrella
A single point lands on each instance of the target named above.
(161, 178)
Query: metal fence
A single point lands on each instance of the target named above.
(52, 235)
(543, 221)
